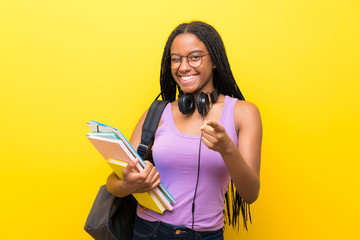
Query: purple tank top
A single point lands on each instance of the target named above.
(176, 158)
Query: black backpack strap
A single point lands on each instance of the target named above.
(150, 125)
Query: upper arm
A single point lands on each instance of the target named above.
(249, 127)
(135, 138)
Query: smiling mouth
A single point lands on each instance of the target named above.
(187, 78)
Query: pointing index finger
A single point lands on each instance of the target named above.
(213, 124)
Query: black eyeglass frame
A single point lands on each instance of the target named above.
(168, 62)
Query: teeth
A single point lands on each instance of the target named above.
(186, 78)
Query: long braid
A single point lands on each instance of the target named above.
(223, 74)
(224, 83)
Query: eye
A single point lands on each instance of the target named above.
(194, 57)
(175, 59)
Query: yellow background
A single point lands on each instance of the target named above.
(64, 63)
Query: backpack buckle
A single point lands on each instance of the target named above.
(142, 149)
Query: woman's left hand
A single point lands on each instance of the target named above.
(215, 136)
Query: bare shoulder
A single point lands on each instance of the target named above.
(246, 113)
(143, 116)
(246, 108)
(136, 134)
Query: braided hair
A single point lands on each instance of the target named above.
(224, 83)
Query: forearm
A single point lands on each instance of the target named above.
(116, 186)
(246, 180)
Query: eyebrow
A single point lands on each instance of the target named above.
(195, 51)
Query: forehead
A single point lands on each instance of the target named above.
(185, 43)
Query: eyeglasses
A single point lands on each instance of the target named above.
(194, 60)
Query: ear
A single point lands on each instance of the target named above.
(214, 66)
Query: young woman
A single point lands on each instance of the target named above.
(199, 146)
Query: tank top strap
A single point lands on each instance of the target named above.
(227, 117)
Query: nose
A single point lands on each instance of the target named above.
(184, 64)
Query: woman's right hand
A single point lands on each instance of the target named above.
(144, 181)
(134, 182)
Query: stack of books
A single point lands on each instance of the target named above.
(117, 151)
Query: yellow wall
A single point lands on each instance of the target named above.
(63, 63)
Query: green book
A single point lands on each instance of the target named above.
(103, 134)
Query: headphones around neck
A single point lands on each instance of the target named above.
(187, 102)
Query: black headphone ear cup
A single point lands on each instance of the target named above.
(202, 103)
(186, 104)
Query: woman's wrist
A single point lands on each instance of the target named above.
(228, 149)
(124, 188)
(117, 186)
